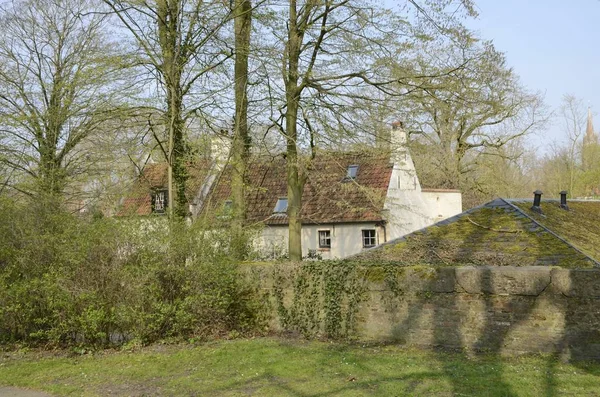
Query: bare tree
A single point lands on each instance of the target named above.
(473, 105)
(330, 53)
(178, 44)
(58, 86)
(572, 113)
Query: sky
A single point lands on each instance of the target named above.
(552, 45)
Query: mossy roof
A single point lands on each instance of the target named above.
(500, 233)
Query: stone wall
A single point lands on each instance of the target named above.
(506, 310)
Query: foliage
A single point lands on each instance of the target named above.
(325, 297)
(66, 280)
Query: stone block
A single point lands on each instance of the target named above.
(530, 280)
(577, 282)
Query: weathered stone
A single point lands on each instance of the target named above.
(502, 309)
(577, 282)
(505, 280)
(441, 280)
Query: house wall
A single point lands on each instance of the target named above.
(346, 239)
(503, 310)
(442, 204)
(408, 207)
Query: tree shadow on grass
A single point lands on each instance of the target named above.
(276, 385)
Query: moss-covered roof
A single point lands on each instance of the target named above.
(500, 233)
(580, 226)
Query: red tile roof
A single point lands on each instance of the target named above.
(155, 176)
(328, 195)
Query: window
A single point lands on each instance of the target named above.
(227, 209)
(351, 172)
(281, 206)
(369, 238)
(324, 239)
(160, 198)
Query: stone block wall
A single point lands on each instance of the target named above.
(505, 310)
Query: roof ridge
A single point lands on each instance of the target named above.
(550, 231)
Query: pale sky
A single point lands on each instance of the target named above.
(552, 45)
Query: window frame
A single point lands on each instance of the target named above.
(165, 201)
(327, 237)
(226, 210)
(349, 174)
(371, 238)
(277, 204)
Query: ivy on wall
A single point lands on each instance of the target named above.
(322, 299)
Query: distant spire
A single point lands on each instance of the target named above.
(590, 135)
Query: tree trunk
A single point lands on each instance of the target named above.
(241, 138)
(168, 31)
(294, 174)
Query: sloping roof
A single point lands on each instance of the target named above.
(580, 225)
(328, 196)
(503, 232)
(153, 177)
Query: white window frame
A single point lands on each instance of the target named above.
(161, 197)
(372, 238)
(327, 233)
(349, 174)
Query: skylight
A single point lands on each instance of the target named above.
(352, 171)
(281, 206)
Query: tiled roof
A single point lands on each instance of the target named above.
(328, 195)
(154, 176)
(503, 232)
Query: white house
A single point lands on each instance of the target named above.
(351, 201)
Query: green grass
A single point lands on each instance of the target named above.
(276, 367)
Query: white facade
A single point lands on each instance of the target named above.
(345, 239)
(442, 203)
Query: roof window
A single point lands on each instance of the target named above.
(281, 206)
(351, 172)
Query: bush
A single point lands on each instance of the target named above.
(67, 280)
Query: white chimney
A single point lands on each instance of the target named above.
(220, 147)
(398, 143)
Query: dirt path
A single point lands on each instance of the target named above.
(15, 392)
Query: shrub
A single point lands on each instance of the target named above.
(67, 280)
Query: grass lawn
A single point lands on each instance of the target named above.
(278, 367)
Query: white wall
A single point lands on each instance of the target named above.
(442, 204)
(346, 239)
(405, 208)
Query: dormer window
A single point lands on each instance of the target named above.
(281, 206)
(160, 199)
(351, 172)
